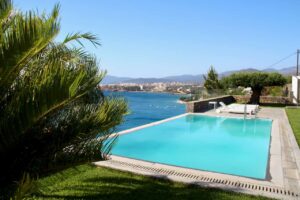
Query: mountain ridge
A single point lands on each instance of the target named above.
(188, 78)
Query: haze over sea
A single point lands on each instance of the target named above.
(148, 107)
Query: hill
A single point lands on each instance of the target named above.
(187, 78)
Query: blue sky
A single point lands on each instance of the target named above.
(156, 38)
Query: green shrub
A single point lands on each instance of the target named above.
(50, 108)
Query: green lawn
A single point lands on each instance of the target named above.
(89, 182)
(294, 118)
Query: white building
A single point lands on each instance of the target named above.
(296, 89)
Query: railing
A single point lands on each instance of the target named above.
(203, 94)
(241, 95)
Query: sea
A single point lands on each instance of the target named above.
(146, 107)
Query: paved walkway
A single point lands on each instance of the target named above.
(284, 165)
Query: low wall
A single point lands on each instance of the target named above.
(275, 100)
(264, 99)
(203, 105)
(242, 98)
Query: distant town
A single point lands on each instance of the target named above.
(172, 87)
(184, 84)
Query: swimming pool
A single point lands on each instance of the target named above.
(218, 144)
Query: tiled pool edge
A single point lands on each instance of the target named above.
(275, 160)
(281, 132)
(148, 125)
(197, 177)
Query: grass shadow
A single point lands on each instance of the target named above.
(88, 182)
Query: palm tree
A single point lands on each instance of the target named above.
(50, 108)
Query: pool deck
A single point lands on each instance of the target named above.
(283, 181)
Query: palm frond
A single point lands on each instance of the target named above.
(18, 45)
(79, 36)
(5, 10)
(96, 123)
(50, 106)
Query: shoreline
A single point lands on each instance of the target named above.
(181, 102)
(152, 92)
(157, 92)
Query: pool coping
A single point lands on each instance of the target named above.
(147, 125)
(278, 181)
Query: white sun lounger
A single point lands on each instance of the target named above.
(238, 108)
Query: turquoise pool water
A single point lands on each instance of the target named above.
(225, 145)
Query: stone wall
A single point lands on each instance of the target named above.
(203, 105)
(242, 98)
(264, 99)
(275, 100)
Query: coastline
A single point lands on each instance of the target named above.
(157, 92)
(181, 102)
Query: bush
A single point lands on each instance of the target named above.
(50, 107)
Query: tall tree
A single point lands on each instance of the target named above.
(256, 80)
(51, 112)
(212, 79)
